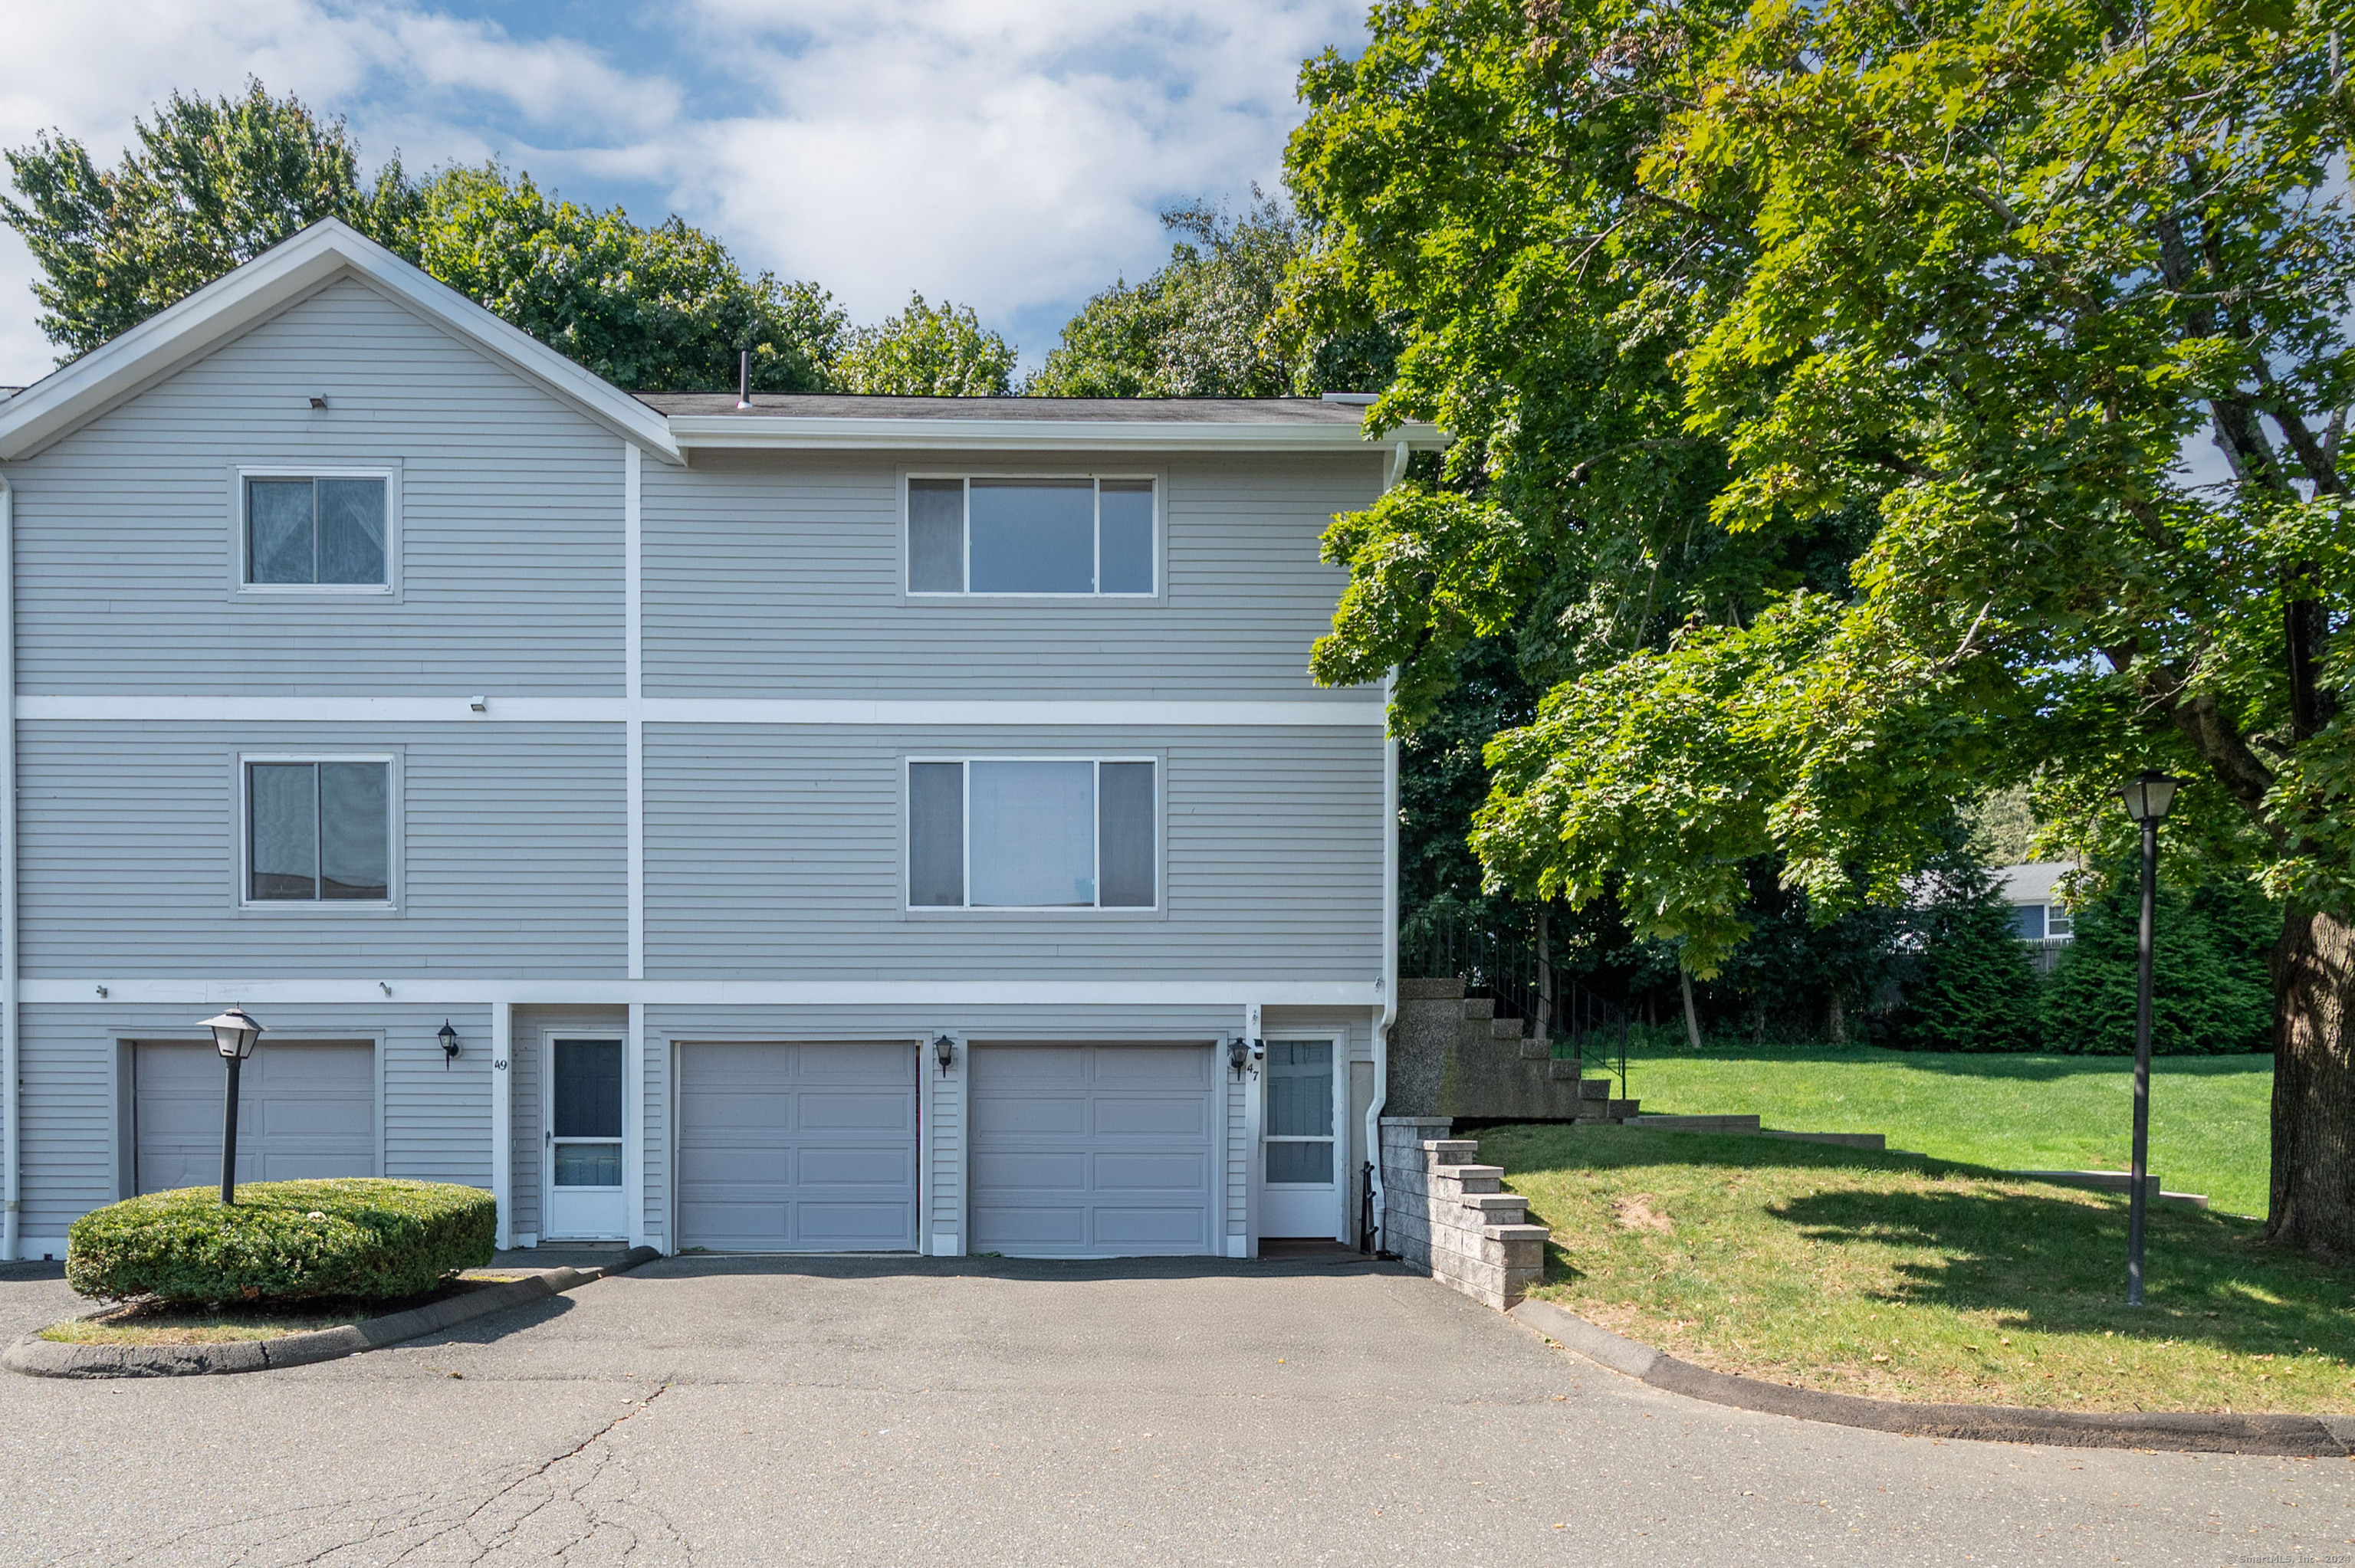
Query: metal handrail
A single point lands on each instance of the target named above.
(1515, 970)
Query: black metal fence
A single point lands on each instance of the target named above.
(1515, 968)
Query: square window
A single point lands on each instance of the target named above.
(1062, 537)
(1032, 834)
(2028, 922)
(318, 831)
(321, 532)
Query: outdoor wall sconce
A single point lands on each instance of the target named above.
(945, 1052)
(449, 1038)
(1243, 1054)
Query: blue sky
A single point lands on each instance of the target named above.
(1011, 156)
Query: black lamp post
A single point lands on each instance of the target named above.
(234, 1033)
(2148, 799)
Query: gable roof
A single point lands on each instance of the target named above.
(285, 272)
(668, 424)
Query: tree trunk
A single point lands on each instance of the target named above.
(1836, 1020)
(2313, 1198)
(1692, 1019)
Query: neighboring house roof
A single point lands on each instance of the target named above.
(667, 423)
(2032, 881)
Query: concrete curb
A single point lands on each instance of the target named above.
(2291, 1436)
(37, 1357)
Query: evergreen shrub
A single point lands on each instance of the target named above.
(2209, 991)
(363, 1237)
(1971, 986)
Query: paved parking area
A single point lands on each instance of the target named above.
(723, 1410)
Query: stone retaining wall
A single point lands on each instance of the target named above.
(1452, 1218)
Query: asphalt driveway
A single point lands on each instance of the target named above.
(750, 1411)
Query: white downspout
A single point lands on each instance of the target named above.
(1389, 981)
(11, 1235)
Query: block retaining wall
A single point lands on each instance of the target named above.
(1445, 1214)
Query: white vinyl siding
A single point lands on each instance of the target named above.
(1032, 834)
(505, 544)
(1094, 536)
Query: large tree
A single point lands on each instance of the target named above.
(1939, 291)
(928, 351)
(660, 309)
(1209, 323)
(214, 183)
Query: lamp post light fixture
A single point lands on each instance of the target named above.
(234, 1034)
(449, 1038)
(2148, 799)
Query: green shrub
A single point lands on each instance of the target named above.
(2210, 991)
(362, 1237)
(1971, 986)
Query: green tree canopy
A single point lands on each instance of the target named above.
(1867, 337)
(212, 184)
(1206, 324)
(928, 351)
(663, 309)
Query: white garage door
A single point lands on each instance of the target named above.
(805, 1147)
(1092, 1150)
(302, 1110)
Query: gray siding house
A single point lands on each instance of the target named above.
(825, 824)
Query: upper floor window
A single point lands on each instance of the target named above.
(319, 830)
(2036, 922)
(320, 531)
(1031, 833)
(1074, 536)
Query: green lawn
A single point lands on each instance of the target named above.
(2208, 1114)
(1897, 1277)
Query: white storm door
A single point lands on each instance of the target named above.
(583, 1195)
(1300, 1167)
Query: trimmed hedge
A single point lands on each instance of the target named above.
(362, 1237)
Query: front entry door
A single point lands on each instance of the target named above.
(584, 1141)
(1300, 1194)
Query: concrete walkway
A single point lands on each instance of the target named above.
(750, 1411)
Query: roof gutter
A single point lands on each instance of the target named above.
(752, 432)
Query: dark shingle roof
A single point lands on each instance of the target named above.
(1141, 410)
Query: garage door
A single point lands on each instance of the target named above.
(302, 1110)
(1092, 1150)
(805, 1148)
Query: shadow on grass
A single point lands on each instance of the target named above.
(2059, 1267)
(2052, 1264)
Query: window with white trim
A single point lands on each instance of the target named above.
(318, 831)
(1091, 537)
(316, 530)
(1032, 834)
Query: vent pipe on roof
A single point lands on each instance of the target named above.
(744, 379)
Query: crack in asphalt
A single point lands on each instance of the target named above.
(356, 1524)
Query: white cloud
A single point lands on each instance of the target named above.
(1012, 156)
